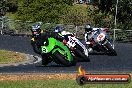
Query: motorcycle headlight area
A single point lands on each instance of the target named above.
(46, 43)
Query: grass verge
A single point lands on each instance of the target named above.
(68, 83)
(45, 80)
(7, 57)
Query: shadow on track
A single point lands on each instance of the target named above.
(52, 66)
(97, 53)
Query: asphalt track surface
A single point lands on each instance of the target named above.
(99, 61)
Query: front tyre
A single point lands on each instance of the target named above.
(60, 59)
(110, 50)
(36, 47)
(81, 56)
(45, 60)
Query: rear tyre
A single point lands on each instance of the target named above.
(59, 58)
(81, 56)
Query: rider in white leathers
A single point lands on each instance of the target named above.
(89, 32)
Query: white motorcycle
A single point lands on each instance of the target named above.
(76, 47)
(100, 41)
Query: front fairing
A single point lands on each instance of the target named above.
(55, 45)
(64, 50)
(46, 48)
(71, 41)
(81, 44)
(99, 36)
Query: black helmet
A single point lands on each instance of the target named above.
(88, 28)
(36, 31)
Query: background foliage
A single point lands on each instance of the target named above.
(100, 13)
(42, 10)
(124, 14)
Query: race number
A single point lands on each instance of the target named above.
(44, 49)
(101, 37)
(71, 42)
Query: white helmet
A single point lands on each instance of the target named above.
(65, 33)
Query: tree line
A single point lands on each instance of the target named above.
(100, 13)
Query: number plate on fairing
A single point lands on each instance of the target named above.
(71, 42)
(100, 37)
(44, 49)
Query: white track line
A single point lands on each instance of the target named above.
(26, 62)
(38, 59)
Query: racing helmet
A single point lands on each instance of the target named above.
(65, 33)
(36, 31)
(57, 29)
(88, 28)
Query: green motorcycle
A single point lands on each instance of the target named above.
(54, 50)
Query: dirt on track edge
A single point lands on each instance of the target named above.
(36, 76)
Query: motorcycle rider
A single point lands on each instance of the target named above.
(88, 35)
(59, 34)
(38, 36)
(89, 32)
(36, 31)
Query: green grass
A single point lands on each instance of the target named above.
(10, 57)
(57, 84)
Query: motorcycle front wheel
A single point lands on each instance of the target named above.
(60, 59)
(110, 50)
(81, 56)
(45, 60)
(36, 48)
